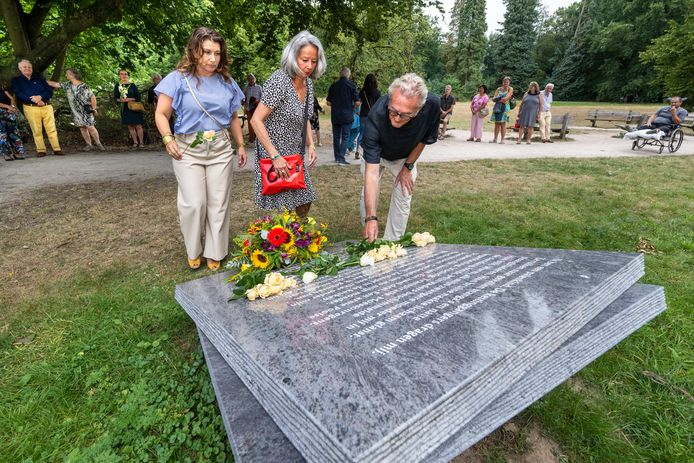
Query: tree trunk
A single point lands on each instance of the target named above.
(24, 31)
(59, 63)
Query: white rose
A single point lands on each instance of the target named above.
(273, 278)
(264, 291)
(392, 254)
(208, 135)
(308, 277)
(400, 251)
(429, 237)
(367, 260)
(288, 283)
(252, 294)
(263, 234)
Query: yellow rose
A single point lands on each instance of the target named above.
(264, 291)
(252, 294)
(419, 239)
(275, 289)
(208, 135)
(273, 278)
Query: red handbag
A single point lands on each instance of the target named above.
(273, 183)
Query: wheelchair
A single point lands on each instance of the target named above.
(672, 140)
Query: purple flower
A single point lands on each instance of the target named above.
(267, 246)
(302, 243)
(284, 255)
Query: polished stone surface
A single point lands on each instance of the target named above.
(255, 437)
(394, 360)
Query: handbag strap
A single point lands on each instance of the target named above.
(367, 100)
(224, 129)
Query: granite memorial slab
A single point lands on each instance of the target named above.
(255, 438)
(391, 361)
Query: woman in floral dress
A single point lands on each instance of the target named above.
(83, 105)
(281, 120)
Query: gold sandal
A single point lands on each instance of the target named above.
(194, 263)
(213, 264)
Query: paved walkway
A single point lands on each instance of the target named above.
(20, 176)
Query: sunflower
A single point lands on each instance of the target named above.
(259, 259)
(290, 242)
(277, 236)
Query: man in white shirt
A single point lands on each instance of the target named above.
(546, 114)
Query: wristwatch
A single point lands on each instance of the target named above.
(409, 165)
(371, 217)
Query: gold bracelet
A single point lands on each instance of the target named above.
(168, 138)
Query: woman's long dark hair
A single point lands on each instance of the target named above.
(370, 85)
(193, 52)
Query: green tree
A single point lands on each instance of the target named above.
(671, 56)
(517, 41)
(470, 28)
(572, 75)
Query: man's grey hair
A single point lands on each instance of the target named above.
(24, 60)
(291, 52)
(549, 84)
(345, 72)
(410, 86)
(156, 76)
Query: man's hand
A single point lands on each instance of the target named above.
(370, 231)
(35, 99)
(404, 178)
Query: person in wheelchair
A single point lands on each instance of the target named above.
(667, 117)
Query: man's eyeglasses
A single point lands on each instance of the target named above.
(401, 116)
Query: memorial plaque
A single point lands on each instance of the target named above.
(391, 361)
(255, 437)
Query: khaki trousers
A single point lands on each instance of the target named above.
(40, 117)
(204, 188)
(399, 210)
(545, 125)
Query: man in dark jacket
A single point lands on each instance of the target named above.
(342, 99)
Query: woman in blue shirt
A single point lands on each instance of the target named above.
(206, 100)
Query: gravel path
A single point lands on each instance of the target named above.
(20, 176)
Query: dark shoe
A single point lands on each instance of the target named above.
(344, 163)
(58, 153)
(19, 157)
(8, 157)
(40, 154)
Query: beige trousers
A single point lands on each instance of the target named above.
(545, 125)
(40, 117)
(399, 210)
(204, 188)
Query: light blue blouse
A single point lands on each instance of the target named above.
(219, 98)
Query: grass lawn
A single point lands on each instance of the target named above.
(99, 363)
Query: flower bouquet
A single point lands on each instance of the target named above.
(284, 240)
(271, 243)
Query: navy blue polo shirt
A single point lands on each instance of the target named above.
(24, 88)
(342, 95)
(382, 140)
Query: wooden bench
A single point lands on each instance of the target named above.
(560, 125)
(688, 122)
(625, 117)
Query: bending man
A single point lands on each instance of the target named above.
(400, 124)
